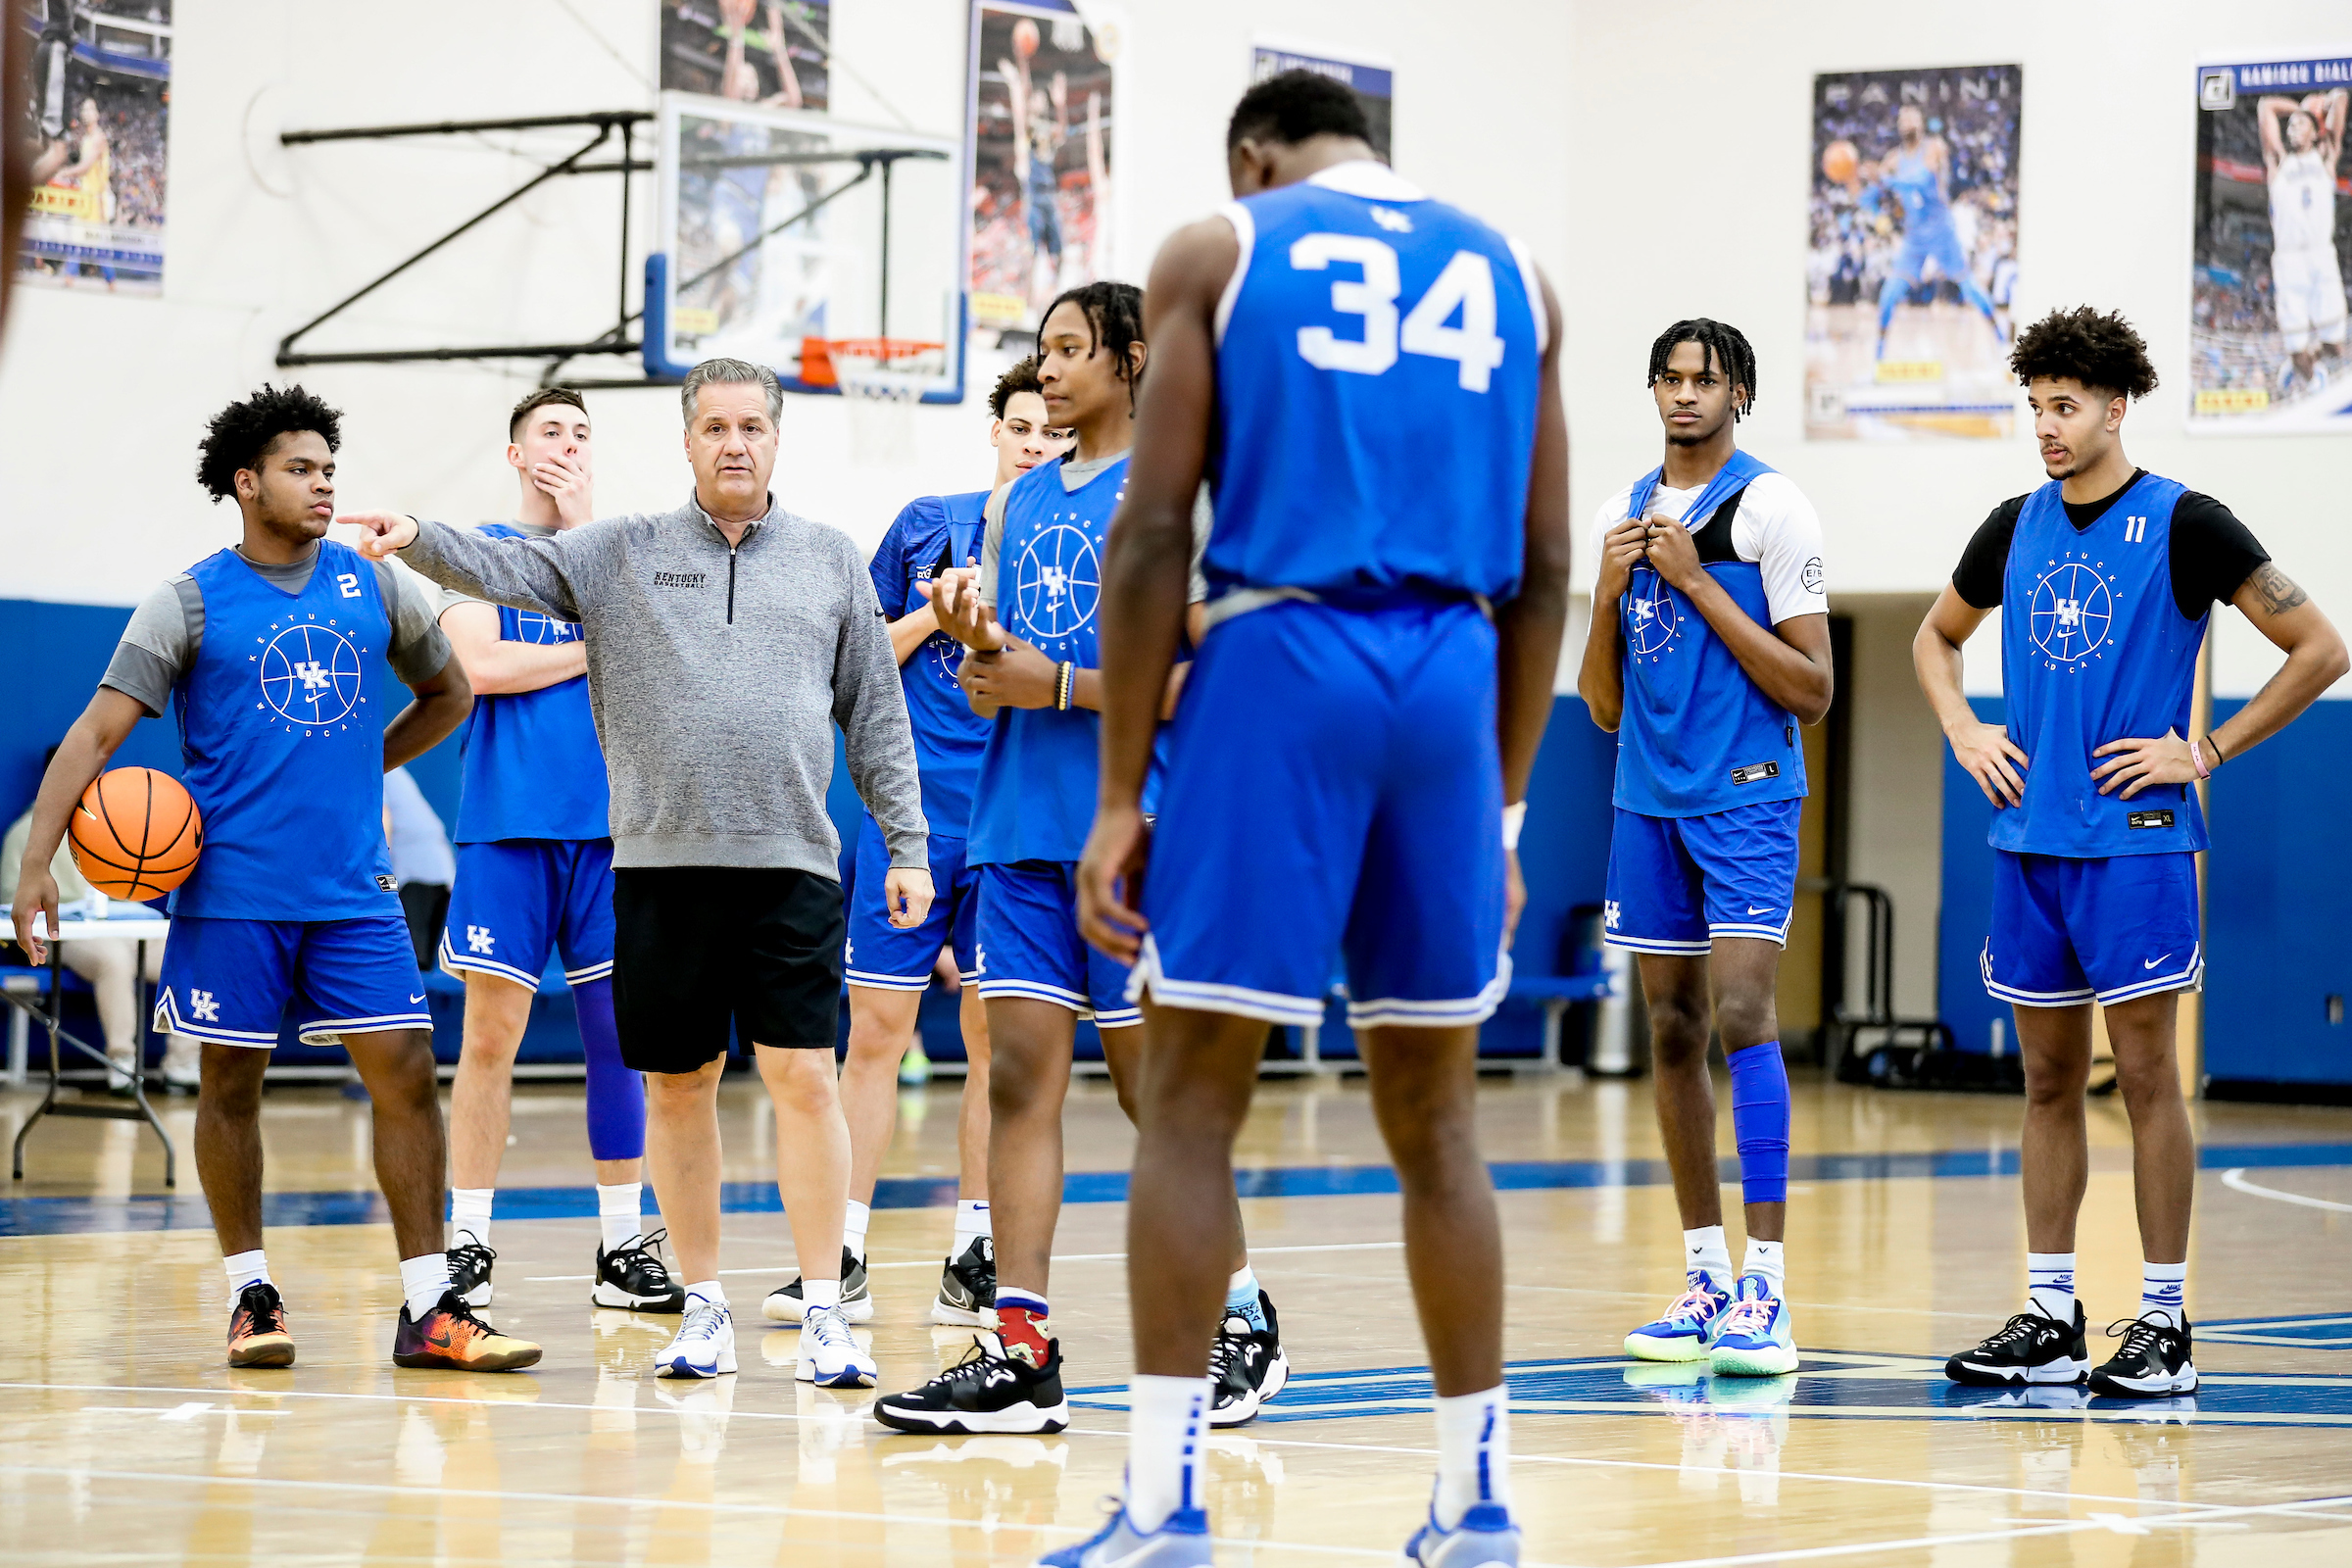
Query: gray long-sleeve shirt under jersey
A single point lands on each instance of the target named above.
(716, 676)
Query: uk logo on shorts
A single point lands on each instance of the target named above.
(202, 1007)
(310, 675)
(2072, 610)
(1059, 581)
(478, 939)
(1650, 616)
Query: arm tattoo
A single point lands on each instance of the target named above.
(2276, 591)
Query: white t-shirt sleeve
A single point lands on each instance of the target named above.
(1778, 529)
(1611, 514)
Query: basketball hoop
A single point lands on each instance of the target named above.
(883, 379)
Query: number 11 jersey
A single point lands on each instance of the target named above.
(1379, 356)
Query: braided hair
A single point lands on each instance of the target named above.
(1726, 353)
(1115, 314)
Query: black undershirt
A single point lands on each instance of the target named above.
(2212, 553)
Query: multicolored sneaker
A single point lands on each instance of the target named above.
(1484, 1538)
(453, 1338)
(257, 1328)
(1182, 1542)
(1685, 1331)
(1754, 1339)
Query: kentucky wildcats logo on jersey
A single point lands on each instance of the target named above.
(1057, 580)
(1650, 616)
(530, 627)
(2072, 606)
(310, 675)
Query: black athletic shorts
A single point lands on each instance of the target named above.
(696, 947)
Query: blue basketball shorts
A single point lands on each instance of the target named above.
(2067, 931)
(888, 958)
(229, 981)
(1931, 242)
(1332, 804)
(1028, 944)
(515, 900)
(1676, 883)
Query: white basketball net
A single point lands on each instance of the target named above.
(882, 385)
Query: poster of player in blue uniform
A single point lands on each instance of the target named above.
(97, 119)
(1912, 259)
(1040, 116)
(2268, 315)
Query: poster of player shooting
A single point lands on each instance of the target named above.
(1041, 102)
(98, 117)
(775, 53)
(1913, 257)
(2267, 312)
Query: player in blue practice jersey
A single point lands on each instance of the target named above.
(1370, 693)
(2104, 579)
(1916, 174)
(535, 877)
(274, 654)
(1709, 646)
(1030, 618)
(888, 966)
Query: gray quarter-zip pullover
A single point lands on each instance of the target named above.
(716, 675)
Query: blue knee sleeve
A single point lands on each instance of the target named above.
(1760, 1121)
(615, 1095)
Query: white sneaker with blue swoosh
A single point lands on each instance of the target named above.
(1181, 1542)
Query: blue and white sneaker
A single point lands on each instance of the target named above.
(1181, 1542)
(1754, 1339)
(1687, 1330)
(1485, 1537)
(705, 1347)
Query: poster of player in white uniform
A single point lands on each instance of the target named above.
(2268, 315)
(98, 116)
(1912, 259)
(1041, 115)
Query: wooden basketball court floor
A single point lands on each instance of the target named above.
(123, 1437)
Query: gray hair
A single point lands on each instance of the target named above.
(732, 373)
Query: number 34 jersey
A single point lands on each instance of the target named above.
(1378, 363)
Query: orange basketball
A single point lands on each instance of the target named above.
(1024, 38)
(1838, 161)
(135, 833)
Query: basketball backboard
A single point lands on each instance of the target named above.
(780, 229)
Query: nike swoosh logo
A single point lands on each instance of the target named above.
(419, 997)
(439, 1342)
(1767, 910)
(2153, 963)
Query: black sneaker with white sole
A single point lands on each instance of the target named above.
(469, 1263)
(988, 1391)
(2029, 1348)
(2153, 1364)
(967, 1285)
(634, 1278)
(1246, 1367)
(785, 1305)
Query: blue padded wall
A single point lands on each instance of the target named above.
(1966, 909)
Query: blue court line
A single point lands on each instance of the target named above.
(58, 1216)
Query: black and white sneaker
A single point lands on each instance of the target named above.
(634, 1278)
(1246, 1367)
(784, 1303)
(469, 1263)
(967, 1285)
(2153, 1363)
(2029, 1348)
(988, 1391)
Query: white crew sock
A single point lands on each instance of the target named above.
(470, 1212)
(424, 1281)
(971, 1223)
(245, 1269)
(2164, 1292)
(820, 1293)
(1764, 1258)
(1165, 1421)
(2051, 1285)
(711, 1293)
(619, 1210)
(854, 1220)
(1474, 1454)
(1705, 1248)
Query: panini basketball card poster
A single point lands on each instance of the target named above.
(2267, 308)
(1912, 262)
(97, 120)
(1042, 122)
(778, 53)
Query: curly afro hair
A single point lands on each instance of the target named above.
(241, 434)
(1023, 378)
(2100, 350)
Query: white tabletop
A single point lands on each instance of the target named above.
(124, 922)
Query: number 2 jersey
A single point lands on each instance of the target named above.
(1408, 334)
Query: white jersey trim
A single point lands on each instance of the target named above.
(1370, 178)
(1245, 233)
(1533, 283)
